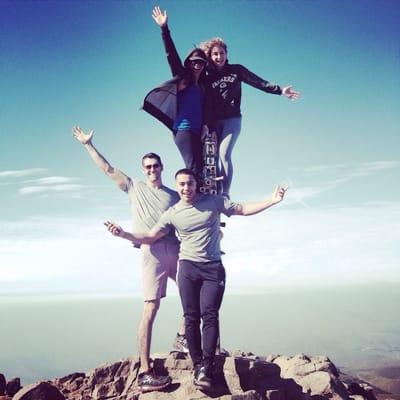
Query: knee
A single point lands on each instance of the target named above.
(192, 318)
(210, 317)
(150, 309)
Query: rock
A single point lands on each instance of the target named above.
(360, 389)
(301, 365)
(39, 391)
(323, 383)
(275, 394)
(240, 377)
(2, 385)
(13, 386)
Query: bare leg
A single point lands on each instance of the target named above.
(145, 331)
(181, 330)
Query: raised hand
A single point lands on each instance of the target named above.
(160, 18)
(113, 228)
(278, 194)
(290, 94)
(81, 136)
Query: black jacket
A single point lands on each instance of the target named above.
(162, 102)
(224, 90)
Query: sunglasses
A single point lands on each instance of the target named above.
(201, 62)
(150, 166)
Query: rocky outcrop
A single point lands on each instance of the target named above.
(13, 386)
(240, 376)
(39, 391)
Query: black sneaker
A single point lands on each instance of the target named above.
(201, 379)
(149, 381)
(180, 344)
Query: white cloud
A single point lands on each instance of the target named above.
(22, 172)
(367, 169)
(52, 180)
(64, 254)
(283, 246)
(334, 175)
(45, 189)
(314, 246)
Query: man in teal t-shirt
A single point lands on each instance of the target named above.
(149, 199)
(201, 277)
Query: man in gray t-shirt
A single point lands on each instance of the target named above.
(149, 200)
(201, 278)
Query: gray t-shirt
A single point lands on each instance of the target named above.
(198, 226)
(148, 204)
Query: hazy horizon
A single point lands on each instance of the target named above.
(51, 337)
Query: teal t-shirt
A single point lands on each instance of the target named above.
(198, 226)
(148, 204)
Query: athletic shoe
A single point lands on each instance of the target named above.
(180, 344)
(201, 379)
(149, 381)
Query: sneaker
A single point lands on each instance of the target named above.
(201, 379)
(180, 344)
(149, 381)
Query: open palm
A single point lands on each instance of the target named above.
(160, 17)
(81, 136)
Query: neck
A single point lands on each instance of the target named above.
(191, 201)
(155, 184)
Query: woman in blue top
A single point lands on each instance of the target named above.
(224, 97)
(178, 103)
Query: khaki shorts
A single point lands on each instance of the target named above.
(159, 262)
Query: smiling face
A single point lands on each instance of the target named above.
(186, 187)
(152, 168)
(197, 67)
(218, 56)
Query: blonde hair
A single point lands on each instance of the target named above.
(208, 45)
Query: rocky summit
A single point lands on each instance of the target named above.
(237, 376)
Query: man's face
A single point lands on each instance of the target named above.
(152, 169)
(186, 187)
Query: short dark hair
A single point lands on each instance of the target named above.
(152, 155)
(185, 171)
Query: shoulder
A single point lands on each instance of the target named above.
(170, 192)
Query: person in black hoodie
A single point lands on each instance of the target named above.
(178, 103)
(223, 101)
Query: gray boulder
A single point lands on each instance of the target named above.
(39, 391)
(2, 385)
(13, 386)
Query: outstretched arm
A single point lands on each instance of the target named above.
(253, 80)
(86, 139)
(174, 61)
(136, 238)
(256, 207)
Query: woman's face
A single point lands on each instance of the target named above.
(218, 56)
(197, 66)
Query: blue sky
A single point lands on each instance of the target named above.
(91, 63)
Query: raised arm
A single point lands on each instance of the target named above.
(136, 238)
(256, 207)
(174, 61)
(85, 139)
